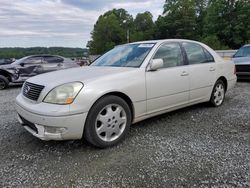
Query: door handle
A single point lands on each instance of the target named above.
(184, 73)
(212, 69)
(59, 64)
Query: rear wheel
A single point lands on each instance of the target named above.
(4, 82)
(108, 122)
(218, 94)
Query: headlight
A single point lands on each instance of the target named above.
(64, 94)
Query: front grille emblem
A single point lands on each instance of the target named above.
(27, 90)
(32, 91)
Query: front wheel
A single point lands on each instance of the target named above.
(218, 94)
(108, 122)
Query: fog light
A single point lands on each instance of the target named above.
(54, 130)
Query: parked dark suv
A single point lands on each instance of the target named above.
(29, 66)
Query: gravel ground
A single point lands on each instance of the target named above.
(199, 146)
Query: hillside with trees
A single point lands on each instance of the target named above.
(222, 24)
(17, 53)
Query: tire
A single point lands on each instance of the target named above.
(108, 122)
(4, 82)
(218, 94)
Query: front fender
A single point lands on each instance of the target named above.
(10, 74)
(132, 85)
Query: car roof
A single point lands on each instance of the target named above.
(43, 55)
(247, 45)
(165, 40)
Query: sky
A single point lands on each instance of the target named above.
(66, 23)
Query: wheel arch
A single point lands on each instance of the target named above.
(6, 74)
(224, 80)
(122, 95)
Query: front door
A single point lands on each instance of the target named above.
(168, 87)
(31, 66)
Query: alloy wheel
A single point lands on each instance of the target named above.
(219, 94)
(111, 122)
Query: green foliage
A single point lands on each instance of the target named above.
(143, 27)
(180, 18)
(229, 21)
(110, 30)
(113, 27)
(222, 24)
(214, 42)
(21, 52)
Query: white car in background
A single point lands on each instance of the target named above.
(128, 84)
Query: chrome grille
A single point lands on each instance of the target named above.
(32, 91)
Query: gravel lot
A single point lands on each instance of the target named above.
(199, 146)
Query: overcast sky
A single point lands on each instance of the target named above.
(68, 23)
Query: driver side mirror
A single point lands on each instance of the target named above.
(21, 64)
(156, 64)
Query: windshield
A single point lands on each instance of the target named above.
(243, 52)
(17, 62)
(129, 55)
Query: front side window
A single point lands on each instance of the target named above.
(32, 60)
(171, 55)
(196, 53)
(129, 55)
(243, 52)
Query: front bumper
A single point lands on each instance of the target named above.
(49, 127)
(243, 75)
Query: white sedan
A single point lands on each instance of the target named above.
(130, 83)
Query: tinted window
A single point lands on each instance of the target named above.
(170, 54)
(196, 53)
(243, 52)
(53, 59)
(32, 60)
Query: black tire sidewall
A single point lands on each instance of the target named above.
(5, 80)
(89, 131)
(212, 95)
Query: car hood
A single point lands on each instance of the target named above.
(242, 60)
(82, 74)
(6, 66)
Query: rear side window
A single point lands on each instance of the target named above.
(210, 58)
(53, 59)
(196, 54)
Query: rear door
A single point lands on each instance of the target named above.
(169, 86)
(202, 69)
(52, 63)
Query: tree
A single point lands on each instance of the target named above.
(180, 18)
(110, 30)
(221, 24)
(201, 12)
(228, 20)
(143, 27)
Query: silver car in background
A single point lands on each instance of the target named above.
(128, 84)
(242, 62)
